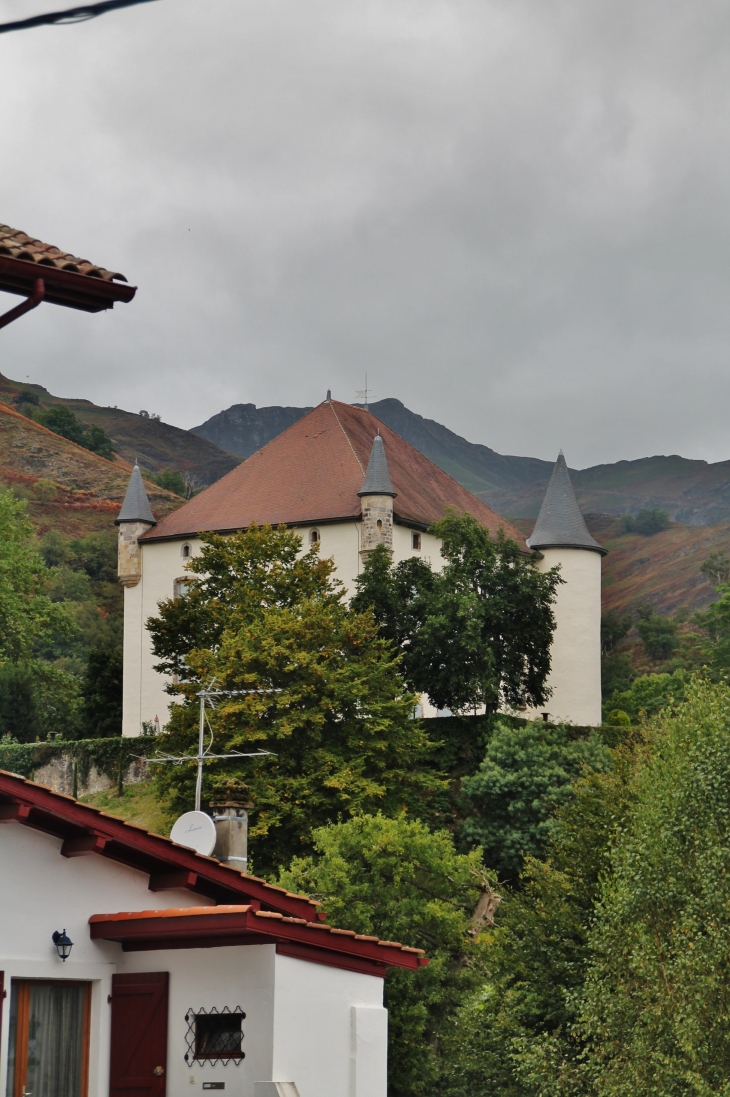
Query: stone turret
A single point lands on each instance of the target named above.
(377, 497)
(561, 537)
(134, 519)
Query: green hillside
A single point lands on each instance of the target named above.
(138, 437)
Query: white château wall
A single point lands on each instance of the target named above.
(163, 565)
(575, 676)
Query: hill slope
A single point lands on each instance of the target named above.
(89, 489)
(154, 444)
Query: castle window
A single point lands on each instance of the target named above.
(185, 552)
(314, 537)
(416, 541)
(379, 524)
(182, 587)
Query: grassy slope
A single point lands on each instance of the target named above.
(90, 489)
(139, 804)
(663, 569)
(155, 445)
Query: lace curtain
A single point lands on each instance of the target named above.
(46, 1039)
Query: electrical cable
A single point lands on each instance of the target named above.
(70, 15)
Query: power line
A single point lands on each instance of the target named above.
(71, 15)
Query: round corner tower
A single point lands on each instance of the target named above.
(561, 537)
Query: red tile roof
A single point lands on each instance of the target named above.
(187, 927)
(81, 826)
(70, 281)
(312, 473)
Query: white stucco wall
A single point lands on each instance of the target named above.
(311, 1028)
(163, 564)
(575, 676)
(298, 1025)
(41, 891)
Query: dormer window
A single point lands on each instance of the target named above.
(314, 537)
(416, 541)
(185, 552)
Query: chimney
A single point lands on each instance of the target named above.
(231, 828)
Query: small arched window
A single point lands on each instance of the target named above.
(314, 537)
(379, 523)
(185, 552)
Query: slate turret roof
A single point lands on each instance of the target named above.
(377, 477)
(136, 506)
(560, 523)
(313, 472)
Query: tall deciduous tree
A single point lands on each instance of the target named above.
(395, 879)
(27, 614)
(477, 632)
(262, 616)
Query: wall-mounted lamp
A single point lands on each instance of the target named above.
(63, 944)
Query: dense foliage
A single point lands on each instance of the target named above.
(526, 774)
(647, 522)
(395, 879)
(321, 691)
(61, 420)
(478, 632)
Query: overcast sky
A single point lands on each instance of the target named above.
(513, 215)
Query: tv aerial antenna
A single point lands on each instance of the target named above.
(208, 698)
(363, 394)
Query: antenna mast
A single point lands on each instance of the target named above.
(363, 394)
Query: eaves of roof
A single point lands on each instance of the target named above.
(70, 281)
(85, 830)
(208, 927)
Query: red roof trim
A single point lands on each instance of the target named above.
(63, 287)
(85, 830)
(196, 927)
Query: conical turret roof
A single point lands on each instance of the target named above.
(136, 506)
(377, 476)
(560, 523)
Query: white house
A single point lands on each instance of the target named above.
(184, 975)
(342, 479)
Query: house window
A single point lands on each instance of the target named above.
(314, 537)
(182, 587)
(215, 1036)
(416, 541)
(185, 552)
(48, 1049)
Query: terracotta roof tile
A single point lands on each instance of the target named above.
(18, 245)
(313, 473)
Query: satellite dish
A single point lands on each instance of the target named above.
(196, 830)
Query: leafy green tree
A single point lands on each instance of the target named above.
(394, 879)
(614, 627)
(651, 693)
(526, 774)
(658, 633)
(61, 420)
(171, 480)
(656, 1006)
(515, 1035)
(331, 705)
(38, 700)
(647, 522)
(716, 621)
(477, 632)
(716, 567)
(27, 615)
(102, 694)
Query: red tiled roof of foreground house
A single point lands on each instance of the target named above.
(313, 472)
(18, 245)
(70, 281)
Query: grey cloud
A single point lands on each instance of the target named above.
(514, 216)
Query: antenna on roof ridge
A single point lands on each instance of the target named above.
(362, 394)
